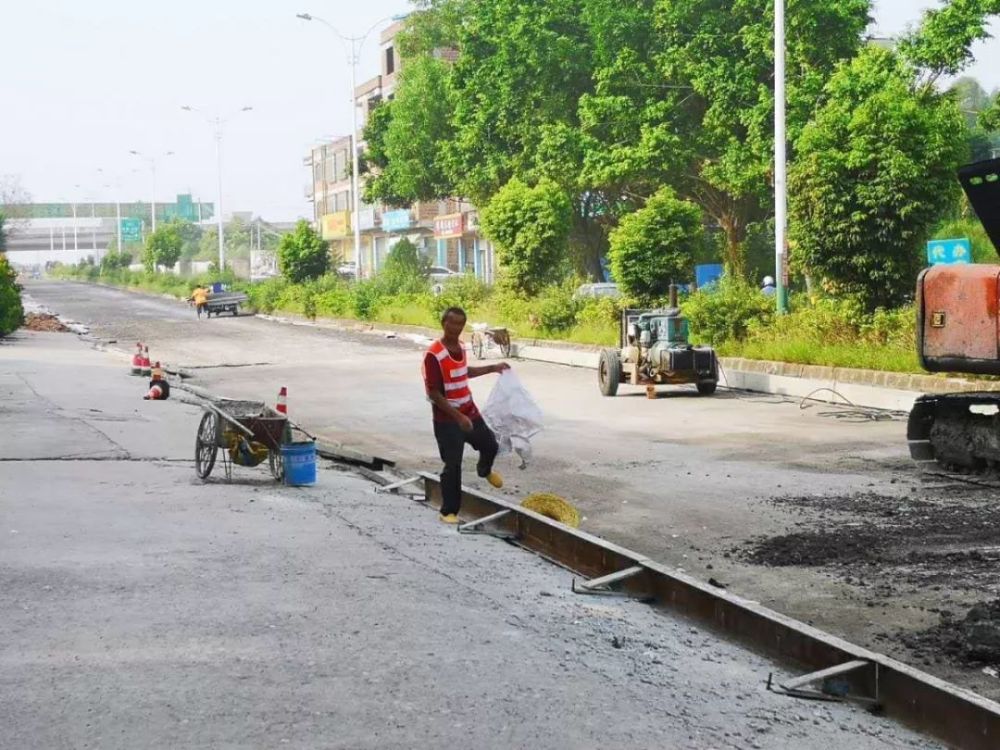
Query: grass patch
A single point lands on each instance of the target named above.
(804, 352)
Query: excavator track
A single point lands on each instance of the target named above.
(956, 431)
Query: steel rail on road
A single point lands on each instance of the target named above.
(957, 717)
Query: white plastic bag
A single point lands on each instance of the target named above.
(513, 416)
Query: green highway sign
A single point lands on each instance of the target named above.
(131, 230)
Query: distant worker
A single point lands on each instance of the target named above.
(456, 419)
(200, 297)
(768, 287)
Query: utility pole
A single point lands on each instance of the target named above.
(780, 161)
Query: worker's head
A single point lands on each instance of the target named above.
(768, 281)
(453, 321)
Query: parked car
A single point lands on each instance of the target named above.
(348, 269)
(439, 274)
(598, 290)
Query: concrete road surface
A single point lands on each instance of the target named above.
(141, 608)
(683, 479)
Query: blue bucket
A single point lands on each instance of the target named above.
(217, 287)
(300, 463)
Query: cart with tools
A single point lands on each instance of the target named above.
(486, 337)
(247, 432)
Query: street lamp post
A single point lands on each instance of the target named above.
(152, 165)
(217, 122)
(353, 57)
(780, 160)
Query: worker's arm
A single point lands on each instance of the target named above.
(441, 402)
(475, 372)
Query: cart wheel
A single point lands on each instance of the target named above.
(478, 345)
(277, 464)
(206, 445)
(505, 347)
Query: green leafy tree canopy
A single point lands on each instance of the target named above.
(656, 245)
(303, 255)
(530, 227)
(875, 171)
(163, 247)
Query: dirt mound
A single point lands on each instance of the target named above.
(44, 322)
(975, 639)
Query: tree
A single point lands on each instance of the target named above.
(14, 200)
(875, 170)
(163, 247)
(11, 310)
(530, 227)
(407, 137)
(656, 245)
(942, 44)
(405, 269)
(303, 255)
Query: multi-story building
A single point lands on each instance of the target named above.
(330, 193)
(447, 231)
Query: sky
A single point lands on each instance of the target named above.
(85, 83)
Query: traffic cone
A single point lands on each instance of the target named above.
(282, 407)
(156, 373)
(144, 363)
(137, 360)
(155, 392)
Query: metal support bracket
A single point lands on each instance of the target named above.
(475, 527)
(602, 586)
(831, 689)
(397, 485)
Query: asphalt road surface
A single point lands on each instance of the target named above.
(699, 483)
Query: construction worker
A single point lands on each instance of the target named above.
(768, 287)
(457, 421)
(200, 298)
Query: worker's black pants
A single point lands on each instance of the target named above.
(451, 444)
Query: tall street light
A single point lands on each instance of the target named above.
(151, 160)
(216, 121)
(116, 184)
(780, 160)
(352, 46)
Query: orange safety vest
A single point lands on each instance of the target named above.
(455, 374)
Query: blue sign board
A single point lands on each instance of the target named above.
(949, 252)
(131, 230)
(707, 275)
(396, 221)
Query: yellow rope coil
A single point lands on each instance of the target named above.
(554, 507)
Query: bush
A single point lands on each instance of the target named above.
(265, 295)
(303, 255)
(726, 311)
(11, 310)
(405, 270)
(557, 307)
(656, 245)
(599, 311)
(465, 291)
(367, 298)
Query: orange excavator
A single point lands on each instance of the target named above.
(958, 331)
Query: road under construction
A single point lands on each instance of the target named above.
(737, 513)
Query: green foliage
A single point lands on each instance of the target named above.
(465, 291)
(530, 227)
(405, 270)
(408, 137)
(11, 310)
(303, 255)
(656, 245)
(557, 307)
(727, 311)
(875, 171)
(3, 233)
(942, 43)
(114, 260)
(163, 247)
(367, 297)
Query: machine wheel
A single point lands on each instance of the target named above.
(277, 464)
(707, 387)
(609, 372)
(478, 345)
(206, 445)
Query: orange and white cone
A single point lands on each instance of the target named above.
(137, 360)
(144, 364)
(155, 393)
(282, 407)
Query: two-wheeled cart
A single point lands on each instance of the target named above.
(247, 432)
(486, 337)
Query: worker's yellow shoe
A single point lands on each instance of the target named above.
(450, 518)
(495, 479)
